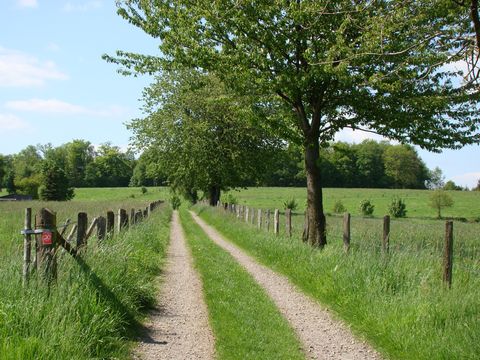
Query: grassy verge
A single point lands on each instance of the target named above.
(397, 302)
(245, 322)
(95, 304)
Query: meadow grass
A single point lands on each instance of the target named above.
(417, 201)
(398, 301)
(97, 302)
(245, 322)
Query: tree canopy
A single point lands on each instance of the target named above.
(204, 137)
(372, 65)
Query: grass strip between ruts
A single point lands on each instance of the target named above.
(245, 322)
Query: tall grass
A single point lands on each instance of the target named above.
(397, 301)
(97, 301)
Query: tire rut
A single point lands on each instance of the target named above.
(178, 328)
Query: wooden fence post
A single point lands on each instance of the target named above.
(246, 214)
(101, 227)
(267, 220)
(386, 234)
(288, 221)
(122, 219)
(132, 216)
(259, 219)
(27, 245)
(448, 254)
(90, 229)
(82, 224)
(276, 222)
(138, 216)
(346, 232)
(252, 216)
(145, 213)
(110, 222)
(237, 208)
(46, 220)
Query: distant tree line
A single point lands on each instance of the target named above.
(369, 164)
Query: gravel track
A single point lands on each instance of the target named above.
(322, 336)
(178, 328)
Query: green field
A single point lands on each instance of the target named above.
(466, 202)
(96, 302)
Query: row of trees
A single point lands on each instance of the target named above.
(80, 163)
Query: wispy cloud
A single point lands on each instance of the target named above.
(55, 106)
(82, 7)
(10, 122)
(18, 69)
(27, 3)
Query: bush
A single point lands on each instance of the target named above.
(339, 208)
(144, 190)
(175, 201)
(440, 199)
(397, 208)
(366, 208)
(290, 204)
(228, 198)
(28, 186)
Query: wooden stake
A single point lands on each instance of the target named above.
(288, 221)
(386, 234)
(259, 219)
(448, 254)
(246, 214)
(276, 222)
(82, 224)
(267, 220)
(46, 220)
(132, 216)
(122, 219)
(110, 222)
(27, 245)
(346, 232)
(101, 227)
(90, 229)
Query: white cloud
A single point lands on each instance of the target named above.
(357, 136)
(27, 3)
(9, 122)
(83, 7)
(468, 179)
(55, 106)
(18, 69)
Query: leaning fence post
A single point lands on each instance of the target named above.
(346, 232)
(82, 224)
(288, 221)
(448, 254)
(110, 222)
(27, 245)
(276, 221)
(46, 221)
(386, 234)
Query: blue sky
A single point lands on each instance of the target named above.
(54, 86)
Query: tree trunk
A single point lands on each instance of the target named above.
(315, 231)
(214, 195)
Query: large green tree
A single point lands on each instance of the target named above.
(204, 137)
(372, 65)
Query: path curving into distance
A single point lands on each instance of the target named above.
(322, 336)
(178, 328)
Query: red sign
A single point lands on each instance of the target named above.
(47, 237)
